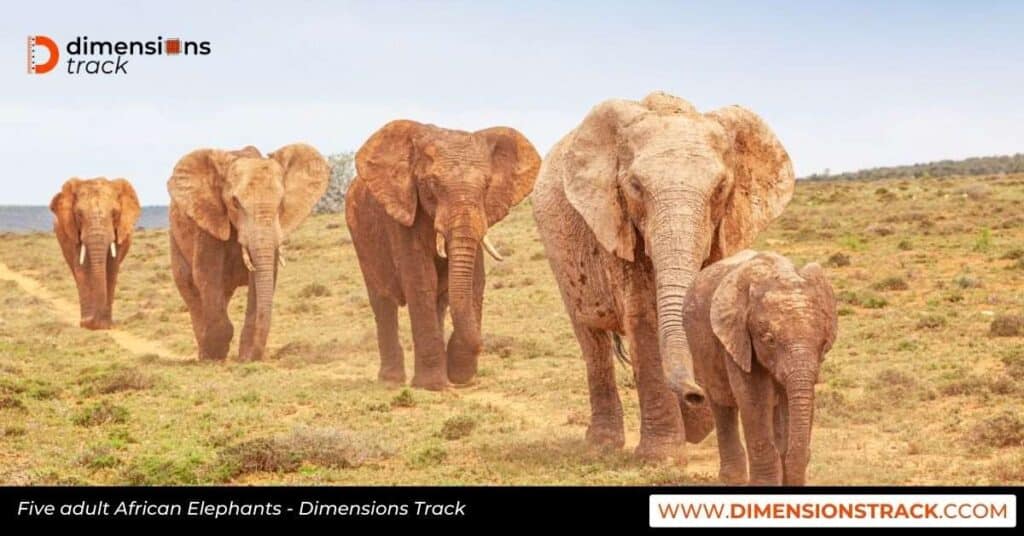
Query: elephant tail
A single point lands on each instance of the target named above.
(620, 350)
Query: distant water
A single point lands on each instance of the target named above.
(30, 219)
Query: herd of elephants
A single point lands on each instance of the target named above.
(644, 209)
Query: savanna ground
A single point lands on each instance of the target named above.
(924, 386)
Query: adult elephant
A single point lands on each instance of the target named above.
(94, 221)
(230, 211)
(630, 205)
(418, 213)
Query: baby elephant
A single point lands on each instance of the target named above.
(758, 330)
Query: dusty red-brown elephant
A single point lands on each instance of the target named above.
(630, 205)
(94, 223)
(418, 212)
(230, 212)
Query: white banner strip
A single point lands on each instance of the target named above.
(878, 510)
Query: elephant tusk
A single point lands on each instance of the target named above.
(113, 249)
(81, 254)
(489, 247)
(441, 252)
(280, 257)
(246, 259)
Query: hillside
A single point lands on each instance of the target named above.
(968, 167)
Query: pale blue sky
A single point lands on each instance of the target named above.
(845, 85)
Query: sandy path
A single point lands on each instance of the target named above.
(68, 312)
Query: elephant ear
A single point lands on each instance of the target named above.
(761, 175)
(730, 307)
(514, 167)
(306, 174)
(385, 164)
(826, 300)
(130, 209)
(63, 207)
(196, 185)
(591, 176)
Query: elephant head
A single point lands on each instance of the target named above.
(93, 218)
(659, 180)
(765, 310)
(255, 200)
(465, 182)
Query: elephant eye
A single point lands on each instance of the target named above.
(236, 203)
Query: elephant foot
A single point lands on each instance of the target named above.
(461, 375)
(733, 474)
(606, 436)
(430, 382)
(94, 324)
(251, 355)
(390, 376)
(462, 360)
(661, 448)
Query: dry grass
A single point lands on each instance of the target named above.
(898, 403)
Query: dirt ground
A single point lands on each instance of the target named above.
(925, 384)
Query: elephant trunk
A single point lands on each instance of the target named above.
(263, 253)
(464, 345)
(800, 404)
(95, 303)
(677, 259)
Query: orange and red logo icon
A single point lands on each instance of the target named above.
(41, 41)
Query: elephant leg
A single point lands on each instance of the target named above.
(441, 265)
(781, 426)
(392, 358)
(113, 268)
(182, 273)
(217, 331)
(246, 343)
(661, 421)
(606, 428)
(429, 369)
(756, 403)
(732, 457)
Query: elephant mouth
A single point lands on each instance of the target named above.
(82, 251)
(442, 248)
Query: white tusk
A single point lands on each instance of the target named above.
(489, 247)
(280, 256)
(81, 254)
(246, 259)
(441, 252)
(113, 249)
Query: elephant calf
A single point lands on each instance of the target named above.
(758, 330)
(94, 222)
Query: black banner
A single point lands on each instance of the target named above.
(490, 508)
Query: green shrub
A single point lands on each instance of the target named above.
(891, 283)
(931, 321)
(1007, 325)
(403, 399)
(457, 427)
(103, 412)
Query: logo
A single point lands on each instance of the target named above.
(87, 56)
(41, 41)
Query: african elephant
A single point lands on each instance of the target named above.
(230, 212)
(630, 205)
(758, 331)
(94, 223)
(418, 213)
